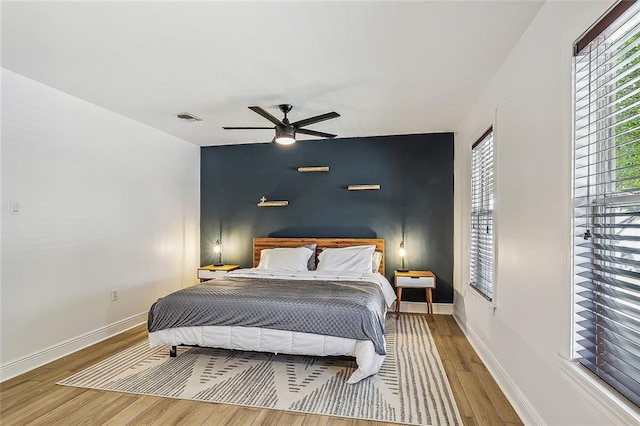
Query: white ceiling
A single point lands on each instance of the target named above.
(386, 67)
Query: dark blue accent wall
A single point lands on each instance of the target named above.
(415, 201)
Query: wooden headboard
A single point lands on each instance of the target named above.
(267, 243)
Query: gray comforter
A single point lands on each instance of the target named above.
(354, 310)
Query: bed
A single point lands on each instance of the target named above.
(283, 305)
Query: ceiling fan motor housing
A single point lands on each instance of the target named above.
(287, 129)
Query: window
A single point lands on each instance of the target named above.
(481, 255)
(607, 200)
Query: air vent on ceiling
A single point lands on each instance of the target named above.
(187, 116)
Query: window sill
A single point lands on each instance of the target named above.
(481, 297)
(598, 393)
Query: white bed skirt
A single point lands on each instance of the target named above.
(275, 341)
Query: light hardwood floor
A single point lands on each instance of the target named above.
(34, 398)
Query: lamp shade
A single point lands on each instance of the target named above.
(217, 250)
(402, 252)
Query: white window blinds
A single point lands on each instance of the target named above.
(481, 246)
(607, 200)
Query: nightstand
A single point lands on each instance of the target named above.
(211, 271)
(414, 279)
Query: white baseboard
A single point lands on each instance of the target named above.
(52, 353)
(421, 308)
(518, 400)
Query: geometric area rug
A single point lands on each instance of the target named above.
(411, 387)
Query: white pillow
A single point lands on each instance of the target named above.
(288, 259)
(355, 259)
(377, 259)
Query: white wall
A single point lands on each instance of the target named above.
(529, 100)
(105, 202)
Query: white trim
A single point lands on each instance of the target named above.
(516, 397)
(482, 298)
(617, 409)
(495, 130)
(52, 353)
(492, 124)
(421, 308)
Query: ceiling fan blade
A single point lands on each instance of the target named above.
(315, 133)
(316, 119)
(246, 128)
(265, 114)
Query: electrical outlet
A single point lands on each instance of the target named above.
(114, 294)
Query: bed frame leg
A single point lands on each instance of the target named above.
(173, 351)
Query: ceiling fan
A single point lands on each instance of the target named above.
(285, 131)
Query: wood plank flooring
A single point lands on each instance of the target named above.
(33, 398)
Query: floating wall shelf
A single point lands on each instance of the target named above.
(264, 203)
(273, 203)
(313, 169)
(363, 187)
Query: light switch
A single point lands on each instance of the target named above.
(15, 207)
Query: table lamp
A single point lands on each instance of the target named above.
(217, 250)
(402, 255)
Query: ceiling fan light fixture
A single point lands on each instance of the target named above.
(285, 135)
(285, 140)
